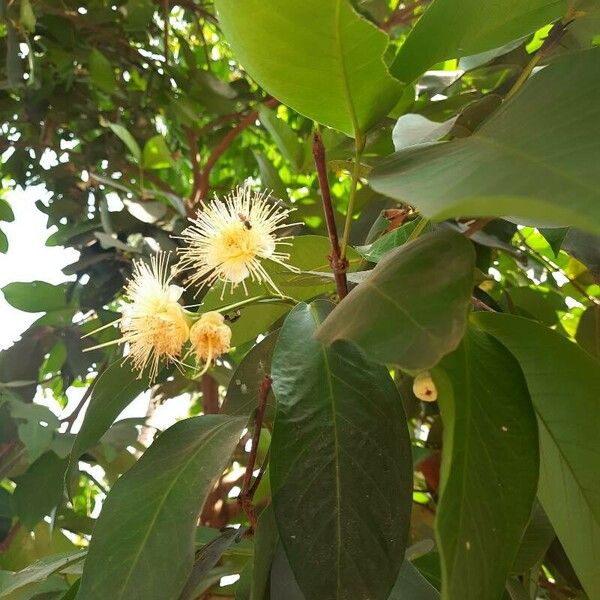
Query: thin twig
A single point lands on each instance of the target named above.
(339, 265)
(10, 536)
(476, 226)
(402, 16)
(247, 492)
(192, 138)
(220, 149)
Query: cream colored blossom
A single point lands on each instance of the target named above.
(210, 337)
(230, 237)
(424, 387)
(154, 323)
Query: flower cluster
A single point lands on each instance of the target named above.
(226, 242)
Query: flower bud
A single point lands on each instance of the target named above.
(424, 387)
(210, 337)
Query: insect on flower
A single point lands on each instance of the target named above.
(210, 337)
(153, 324)
(229, 239)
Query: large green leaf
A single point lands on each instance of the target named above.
(489, 467)
(412, 309)
(341, 470)
(564, 383)
(157, 504)
(536, 158)
(331, 71)
(113, 391)
(411, 585)
(456, 28)
(35, 296)
(588, 330)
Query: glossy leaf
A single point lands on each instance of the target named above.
(284, 136)
(156, 154)
(398, 237)
(157, 502)
(506, 168)
(35, 296)
(588, 331)
(339, 418)
(489, 467)
(535, 542)
(457, 28)
(332, 72)
(563, 381)
(412, 309)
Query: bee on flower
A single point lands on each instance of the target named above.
(210, 337)
(154, 324)
(230, 238)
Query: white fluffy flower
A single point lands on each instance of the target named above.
(154, 323)
(229, 239)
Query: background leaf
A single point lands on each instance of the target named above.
(157, 502)
(332, 72)
(506, 167)
(343, 534)
(457, 28)
(489, 467)
(563, 381)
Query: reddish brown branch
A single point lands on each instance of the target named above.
(10, 536)
(210, 395)
(247, 493)
(402, 16)
(477, 225)
(222, 146)
(339, 265)
(192, 138)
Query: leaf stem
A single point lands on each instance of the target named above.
(416, 232)
(265, 299)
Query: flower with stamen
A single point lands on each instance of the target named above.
(154, 323)
(229, 239)
(210, 337)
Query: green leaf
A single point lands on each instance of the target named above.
(588, 331)
(113, 391)
(242, 391)
(157, 503)
(40, 489)
(411, 585)
(126, 137)
(535, 542)
(156, 154)
(269, 177)
(563, 381)
(489, 467)
(506, 167)
(412, 309)
(266, 541)
(3, 242)
(35, 296)
(27, 16)
(331, 71)
(6, 212)
(398, 237)
(457, 28)
(41, 569)
(101, 72)
(413, 129)
(339, 417)
(284, 136)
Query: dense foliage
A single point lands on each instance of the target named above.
(406, 406)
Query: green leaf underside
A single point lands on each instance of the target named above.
(489, 467)
(411, 585)
(332, 72)
(457, 28)
(507, 168)
(564, 383)
(412, 309)
(339, 417)
(157, 502)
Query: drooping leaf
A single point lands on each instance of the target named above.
(40, 570)
(535, 542)
(506, 168)
(156, 154)
(113, 391)
(412, 585)
(457, 28)
(123, 134)
(412, 308)
(157, 502)
(343, 534)
(332, 72)
(489, 467)
(101, 72)
(40, 489)
(6, 212)
(563, 381)
(413, 129)
(266, 541)
(284, 136)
